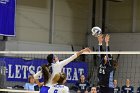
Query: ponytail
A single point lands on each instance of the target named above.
(59, 78)
(62, 78)
(46, 74)
(56, 78)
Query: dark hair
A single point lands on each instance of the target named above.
(62, 78)
(50, 58)
(46, 74)
(81, 76)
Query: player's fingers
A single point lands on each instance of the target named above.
(88, 49)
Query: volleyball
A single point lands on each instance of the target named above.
(96, 31)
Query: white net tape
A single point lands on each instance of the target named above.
(67, 52)
(17, 91)
(128, 65)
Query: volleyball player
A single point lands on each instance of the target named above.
(105, 70)
(46, 77)
(60, 79)
(55, 66)
(127, 88)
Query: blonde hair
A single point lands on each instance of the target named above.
(59, 78)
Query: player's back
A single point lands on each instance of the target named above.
(59, 89)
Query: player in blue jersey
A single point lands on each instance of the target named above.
(106, 69)
(127, 88)
(59, 87)
(116, 88)
(46, 77)
(57, 82)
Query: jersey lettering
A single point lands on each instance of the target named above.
(55, 91)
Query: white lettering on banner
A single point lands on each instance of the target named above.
(68, 73)
(21, 70)
(31, 70)
(18, 69)
(75, 76)
(24, 68)
(72, 74)
(10, 74)
(4, 1)
(81, 71)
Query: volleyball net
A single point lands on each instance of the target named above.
(15, 66)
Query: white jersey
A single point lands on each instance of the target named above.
(57, 67)
(58, 89)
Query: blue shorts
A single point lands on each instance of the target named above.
(44, 89)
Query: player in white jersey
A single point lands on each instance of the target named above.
(55, 66)
(59, 87)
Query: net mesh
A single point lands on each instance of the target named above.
(128, 65)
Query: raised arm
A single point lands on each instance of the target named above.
(100, 47)
(66, 61)
(82, 51)
(36, 76)
(107, 39)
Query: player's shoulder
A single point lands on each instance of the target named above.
(62, 88)
(65, 89)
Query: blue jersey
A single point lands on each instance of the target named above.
(44, 89)
(82, 86)
(117, 89)
(126, 89)
(7, 17)
(138, 90)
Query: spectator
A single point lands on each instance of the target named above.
(83, 85)
(93, 90)
(127, 88)
(31, 84)
(116, 88)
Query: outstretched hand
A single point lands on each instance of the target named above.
(82, 51)
(87, 50)
(100, 38)
(107, 38)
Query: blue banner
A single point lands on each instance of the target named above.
(74, 70)
(18, 69)
(7, 17)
